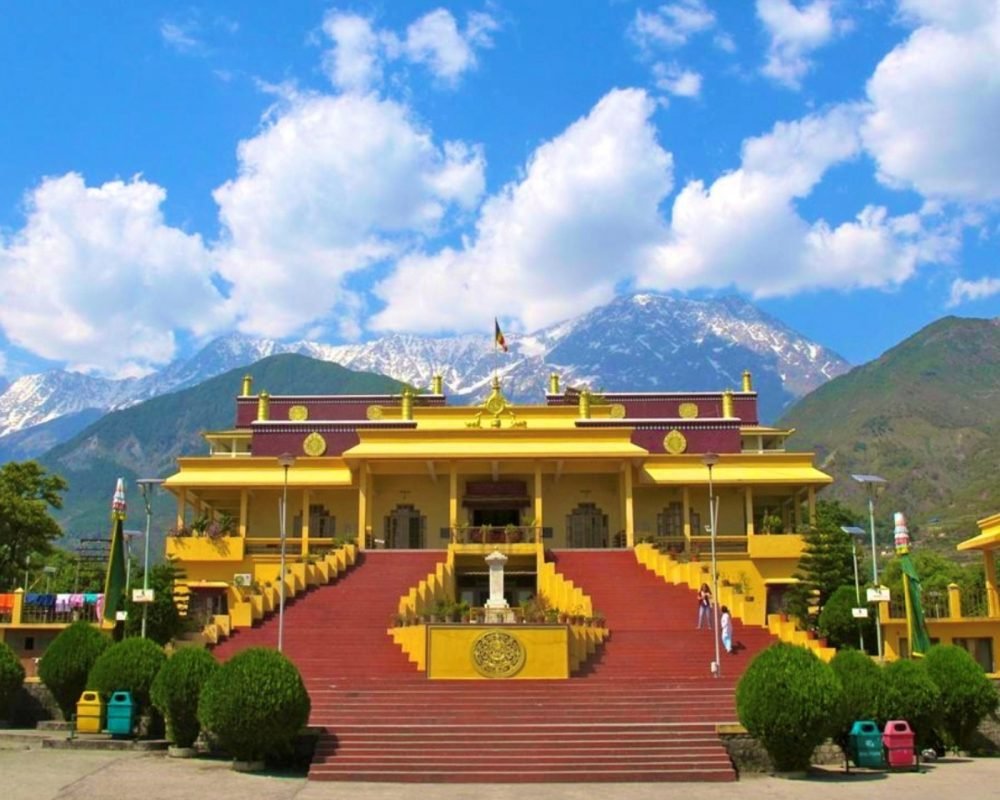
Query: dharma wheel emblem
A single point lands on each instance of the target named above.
(617, 411)
(314, 445)
(688, 410)
(298, 413)
(374, 412)
(674, 442)
(497, 654)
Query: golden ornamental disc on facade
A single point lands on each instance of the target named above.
(298, 413)
(374, 412)
(617, 411)
(498, 654)
(674, 442)
(314, 445)
(688, 410)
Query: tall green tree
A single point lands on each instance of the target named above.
(827, 562)
(27, 494)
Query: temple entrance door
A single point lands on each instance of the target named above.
(496, 517)
(405, 529)
(587, 526)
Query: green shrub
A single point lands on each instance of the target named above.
(907, 692)
(176, 690)
(254, 704)
(11, 678)
(130, 665)
(67, 661)
(837, 623)
(787, 700)
(967, 695)
(860, 679)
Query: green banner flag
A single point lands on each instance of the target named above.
(114, 583)
(916, 627)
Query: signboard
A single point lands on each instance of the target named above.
(859, 613)
(121, 616)
(880, 595)
(243, 579)
(142, 595)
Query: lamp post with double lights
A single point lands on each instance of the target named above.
(285, 461)
(872, 483)
(854, 532)
(710, 460)
(146, 486)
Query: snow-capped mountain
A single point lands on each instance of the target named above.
(643, 342)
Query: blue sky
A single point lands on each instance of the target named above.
(336, 172)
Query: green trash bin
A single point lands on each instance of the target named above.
(865, 745)
(121, 714)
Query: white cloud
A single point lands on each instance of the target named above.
(963, 291)
(672, 24)
(354, 63)
(795, 32)
(331, 186)
(672, 79)
(936, 104)
(744, 230)
(181, 36)
(553, 244)
(96, 278)
(360, 51)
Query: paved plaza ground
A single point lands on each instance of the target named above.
(42, 774)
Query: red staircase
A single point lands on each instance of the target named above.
(645, 709)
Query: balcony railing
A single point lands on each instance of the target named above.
(700, 546)
(496, 534)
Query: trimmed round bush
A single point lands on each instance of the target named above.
(909, 693)
(176, 690)
(130, 665)
(967, 695)
(255, 704)
(860, 679)
(67, 661)
(787, 700)
(11, 678)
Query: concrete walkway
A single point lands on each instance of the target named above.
(43, 774)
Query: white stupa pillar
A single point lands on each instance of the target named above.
(495, 561)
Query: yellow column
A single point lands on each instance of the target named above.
(992, 599)
(629, 508)
(305, 522)
(812, 505)
(17, 611)
(749, 508)
(954, 601)
(244, 508)
(686, 502)
(538, 498)
(796, 513)
(362, 505)
(181, 503)
(452, 495)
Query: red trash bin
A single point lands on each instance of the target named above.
(898, 739)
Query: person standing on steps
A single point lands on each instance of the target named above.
(726, 629)
(704, 607)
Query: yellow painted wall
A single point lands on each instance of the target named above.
(945, 631)
(546, 646)
(430, 498)
(262, 513)
(650, 501)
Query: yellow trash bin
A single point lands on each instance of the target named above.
(90, 713)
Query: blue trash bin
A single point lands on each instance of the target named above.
(121, 714)
(864, 745)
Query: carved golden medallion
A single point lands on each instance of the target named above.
(674, 442)
(498, 654)
(688, 410)
(617, 411)
(374, 412)
(314, 445)
(298, 413)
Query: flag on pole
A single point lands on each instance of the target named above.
(916, 627)
(498, 337)
(114, 582)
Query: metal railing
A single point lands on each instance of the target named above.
(700, 547)
(496, 534)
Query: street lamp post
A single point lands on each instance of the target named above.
(854, 531)
(146, 486)
(129, 536)
(871, 484)
(285, 461)
(710, 460)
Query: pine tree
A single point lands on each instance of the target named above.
(826, 563)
